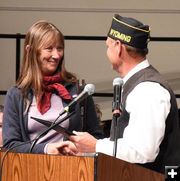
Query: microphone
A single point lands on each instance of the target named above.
(88, 90)
(117, 84)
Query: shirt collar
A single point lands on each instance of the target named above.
(137, 68)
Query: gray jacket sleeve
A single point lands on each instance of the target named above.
(14, 129)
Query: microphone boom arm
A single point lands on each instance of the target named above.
(49, 128)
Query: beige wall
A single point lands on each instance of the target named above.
(92, 18)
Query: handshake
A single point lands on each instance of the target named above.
(78, 144)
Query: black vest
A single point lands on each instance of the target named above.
(169, 153)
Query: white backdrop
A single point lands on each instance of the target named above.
(92, 18)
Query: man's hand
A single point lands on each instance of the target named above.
(84, 142)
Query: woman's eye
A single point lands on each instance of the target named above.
(49, 48)
(59, 48)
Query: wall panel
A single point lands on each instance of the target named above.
(92, 18)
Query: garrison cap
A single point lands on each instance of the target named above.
(129, 31)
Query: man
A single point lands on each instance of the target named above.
(149, 124)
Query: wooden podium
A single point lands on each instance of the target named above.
(100, 167)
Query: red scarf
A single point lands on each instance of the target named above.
(51, 84)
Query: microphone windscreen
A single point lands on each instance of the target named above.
(117, 81)
(89, 88)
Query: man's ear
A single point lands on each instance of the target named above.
(118, 45)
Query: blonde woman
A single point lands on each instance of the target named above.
(42, 90)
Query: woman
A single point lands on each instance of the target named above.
(42, 90)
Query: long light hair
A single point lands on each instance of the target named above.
(31, 77)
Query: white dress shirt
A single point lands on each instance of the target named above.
(148, 105)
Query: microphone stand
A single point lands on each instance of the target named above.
(115, 121)
(49, 128)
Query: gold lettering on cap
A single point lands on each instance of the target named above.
(120, 36)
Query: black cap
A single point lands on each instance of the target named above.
(129, 31)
